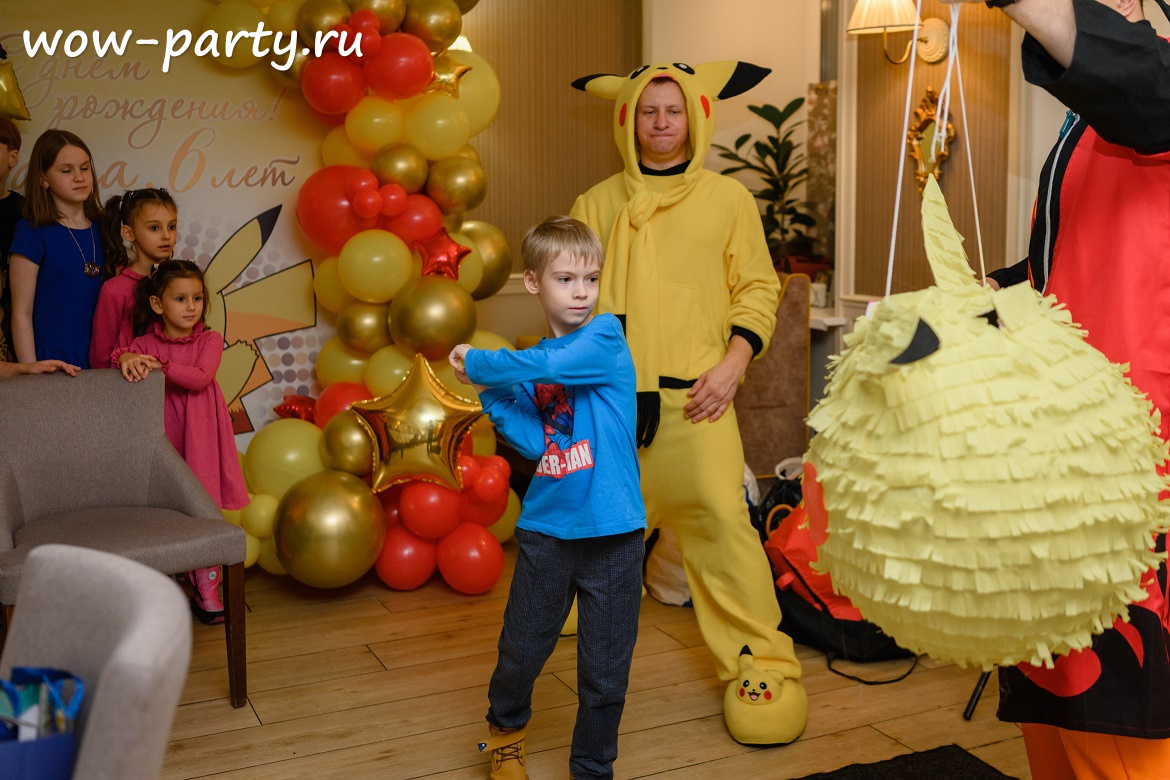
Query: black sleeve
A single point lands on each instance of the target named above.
(1119, 79)
(1013, 274)
(756, 342)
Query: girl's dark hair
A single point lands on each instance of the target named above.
(156, 284)
(39, 208)
(121, 210)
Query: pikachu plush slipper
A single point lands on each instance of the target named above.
(763, 708)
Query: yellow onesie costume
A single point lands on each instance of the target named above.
(686, 263)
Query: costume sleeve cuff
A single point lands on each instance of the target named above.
(751, 338)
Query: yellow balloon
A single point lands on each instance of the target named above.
(259, 516)
(252, 553)
(327, 285)
(485, 339)
(471, 269)
(319, 16)
(390, 12)
(364, 327)
(346, 445)
(267, 557)
(232, 515)
(437, 126)
(385, 370)
(469, 152)
(374, 265)
(290, 78)
(329, 530)
(437, 22)
(445, 373)
(483, 437)
(497, 256)
(336, 149)
(431, 315)
(401, 164)
(452, 223)
(479, 90)
(456, 184)
(234, 16)
(373, 123)
(282, 17)
(280, 454)
(505, 528)
(338, 363)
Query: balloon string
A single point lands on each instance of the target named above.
(970, 160)
(901, 151)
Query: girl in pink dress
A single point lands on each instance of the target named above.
(146, 219)
(169, 318)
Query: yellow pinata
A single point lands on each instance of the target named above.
(990, 480)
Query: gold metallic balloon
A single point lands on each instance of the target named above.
(401, 164)
(364, 327)
(329, 529)
(497, 257)
(390, 12)
(282, 18)
(432, 315)
(456, 184)
(437, 22)
(291, 77)
(12, 105)
(319, 16)
(452, 223)
(418, 430)
(465, 5)
(448, 73)
(346, 445)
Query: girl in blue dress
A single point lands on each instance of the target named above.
(57, 256)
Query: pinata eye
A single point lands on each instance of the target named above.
(684, 68)
(638, 72)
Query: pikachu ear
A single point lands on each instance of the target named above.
(729, 78)
(602, 85)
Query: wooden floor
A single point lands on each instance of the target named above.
(365, 682)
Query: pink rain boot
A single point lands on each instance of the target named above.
(206, 605)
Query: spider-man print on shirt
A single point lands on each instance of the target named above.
(562, 455)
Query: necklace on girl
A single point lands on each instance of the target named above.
(92, 268)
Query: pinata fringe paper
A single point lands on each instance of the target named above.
(995, 501)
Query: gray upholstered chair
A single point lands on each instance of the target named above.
(85, 461)
(125, 630)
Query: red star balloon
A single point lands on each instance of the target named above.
(441, 255)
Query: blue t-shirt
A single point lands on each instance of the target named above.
(569, 404)
(66, 297)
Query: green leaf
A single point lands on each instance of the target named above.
(768, 113)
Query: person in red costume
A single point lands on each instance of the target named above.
(1099, 244)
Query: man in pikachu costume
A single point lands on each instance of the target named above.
(687, 270)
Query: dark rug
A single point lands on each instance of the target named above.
(949, 762)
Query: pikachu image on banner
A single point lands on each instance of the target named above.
(278, 303)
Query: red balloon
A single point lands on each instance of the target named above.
(406, 561)
(470, 559)
(467, 448)
(401, 68)
(498, 463)
(393, 199)
(359, 180)
(367, 203)
(469, 469)
(429, 510)
(324, 211)
(337, 398)
(389, 499)
(298, 407)
(363, 18)
(420, 219)
(472, 510)
(332, 84)
(490, 485)
(365, 22)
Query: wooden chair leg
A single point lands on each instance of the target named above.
(234, 609)
(3, 625)
(980, 684)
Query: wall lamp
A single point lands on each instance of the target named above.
(885, 16)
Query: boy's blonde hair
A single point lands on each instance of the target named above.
(560, 234)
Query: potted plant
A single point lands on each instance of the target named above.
(780, 165)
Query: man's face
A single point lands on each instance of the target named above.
(661, 125)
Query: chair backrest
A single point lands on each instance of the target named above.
(125, 630)
(80, 442)
(772, 404)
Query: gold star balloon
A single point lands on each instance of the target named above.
(12, 105)
(417, 430)
(448, 73)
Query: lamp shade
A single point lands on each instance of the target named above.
(872, 16)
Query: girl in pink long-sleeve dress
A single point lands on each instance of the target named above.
(169, 316)
(147, 220)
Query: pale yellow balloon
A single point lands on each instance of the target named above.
(327, 285)
(319, 16)
(390, 12)
(364, 327)
(267, 558)
(386, 369)
(374, 265)
(483, 437)
(373, 123)
(232, 515)
(471, 269)
(485, 339)
(281, 453)
(479, 90)
(234, 16)
(505, 528)
(346, 445)
(338, 363)
(259, 516)
(437, 126)
(336, 149)
(452, 223)
(252, 553)
(445, 373)
(282, 17)
(469, 152)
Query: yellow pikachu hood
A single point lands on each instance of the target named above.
(702, 85)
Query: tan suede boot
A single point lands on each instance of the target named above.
(507, 746)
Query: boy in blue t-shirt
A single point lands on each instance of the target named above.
(569, 404)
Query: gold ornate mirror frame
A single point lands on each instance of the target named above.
(920, 140)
